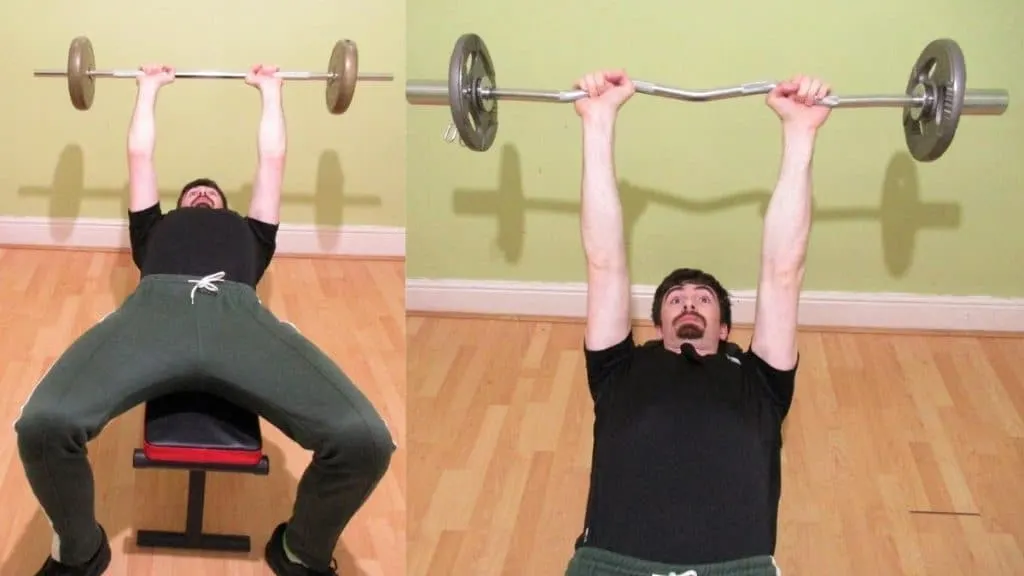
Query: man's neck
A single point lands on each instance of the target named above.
(701, 348)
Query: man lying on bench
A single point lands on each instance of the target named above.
(195, 313)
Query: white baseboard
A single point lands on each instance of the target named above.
(292, 239)
(822, 309)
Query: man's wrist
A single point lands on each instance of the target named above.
(599, 123)
(148, 92)
(270, 94)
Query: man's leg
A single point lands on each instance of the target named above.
(119, 363)
(270, 368)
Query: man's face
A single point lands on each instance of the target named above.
(201, 197)
(691, 313)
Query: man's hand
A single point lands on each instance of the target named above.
(262, 76)
(607, 90)
(154, 76)
(795, 102)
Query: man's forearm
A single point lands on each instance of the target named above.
(142, 132)
(787, 222)
(271, 145)
(272, 141)
(142, 186)
(601, 210)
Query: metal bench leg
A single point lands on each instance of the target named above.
(193, 537)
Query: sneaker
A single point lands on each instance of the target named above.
(282, 566)
(96, 565)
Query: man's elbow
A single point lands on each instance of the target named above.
(273, 153)
(605, 258)
(786, 267)
(140, 154)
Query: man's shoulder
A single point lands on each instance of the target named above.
(652, 344)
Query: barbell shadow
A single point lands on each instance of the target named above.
(67, 190)
(508, 204)
(901, 216)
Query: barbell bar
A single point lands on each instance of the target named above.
(935, 98)
(341, 76)
(214, 74)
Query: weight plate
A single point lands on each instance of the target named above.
(469, 70)
(344, 64)
(940, 74)
(81, 61)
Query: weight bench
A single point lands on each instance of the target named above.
(200, 433)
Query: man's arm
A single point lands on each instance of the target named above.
(272, 147)
(142, 184)
(608, 289)
(787, 226)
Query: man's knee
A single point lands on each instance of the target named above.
(363, 445)
(42, 431)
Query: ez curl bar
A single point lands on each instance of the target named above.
(934, 100)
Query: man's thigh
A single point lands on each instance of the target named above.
(272, 369)
(122, 361)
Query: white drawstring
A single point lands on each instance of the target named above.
(206, 283)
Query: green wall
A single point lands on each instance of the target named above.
(56, 161)
(696, 176)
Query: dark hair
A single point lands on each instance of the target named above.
(203, 182)
(683, 276)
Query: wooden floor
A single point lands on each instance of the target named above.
(904, 454)
(353, 310)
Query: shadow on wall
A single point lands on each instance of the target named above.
(67, 191)
(901, 215)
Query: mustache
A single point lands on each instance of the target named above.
(688, 316)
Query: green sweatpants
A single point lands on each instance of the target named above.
(173, 330)
(597, 562)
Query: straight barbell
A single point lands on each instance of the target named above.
(935, 98)
(341, 76)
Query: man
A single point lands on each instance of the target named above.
(194, 314)
(687, 434)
